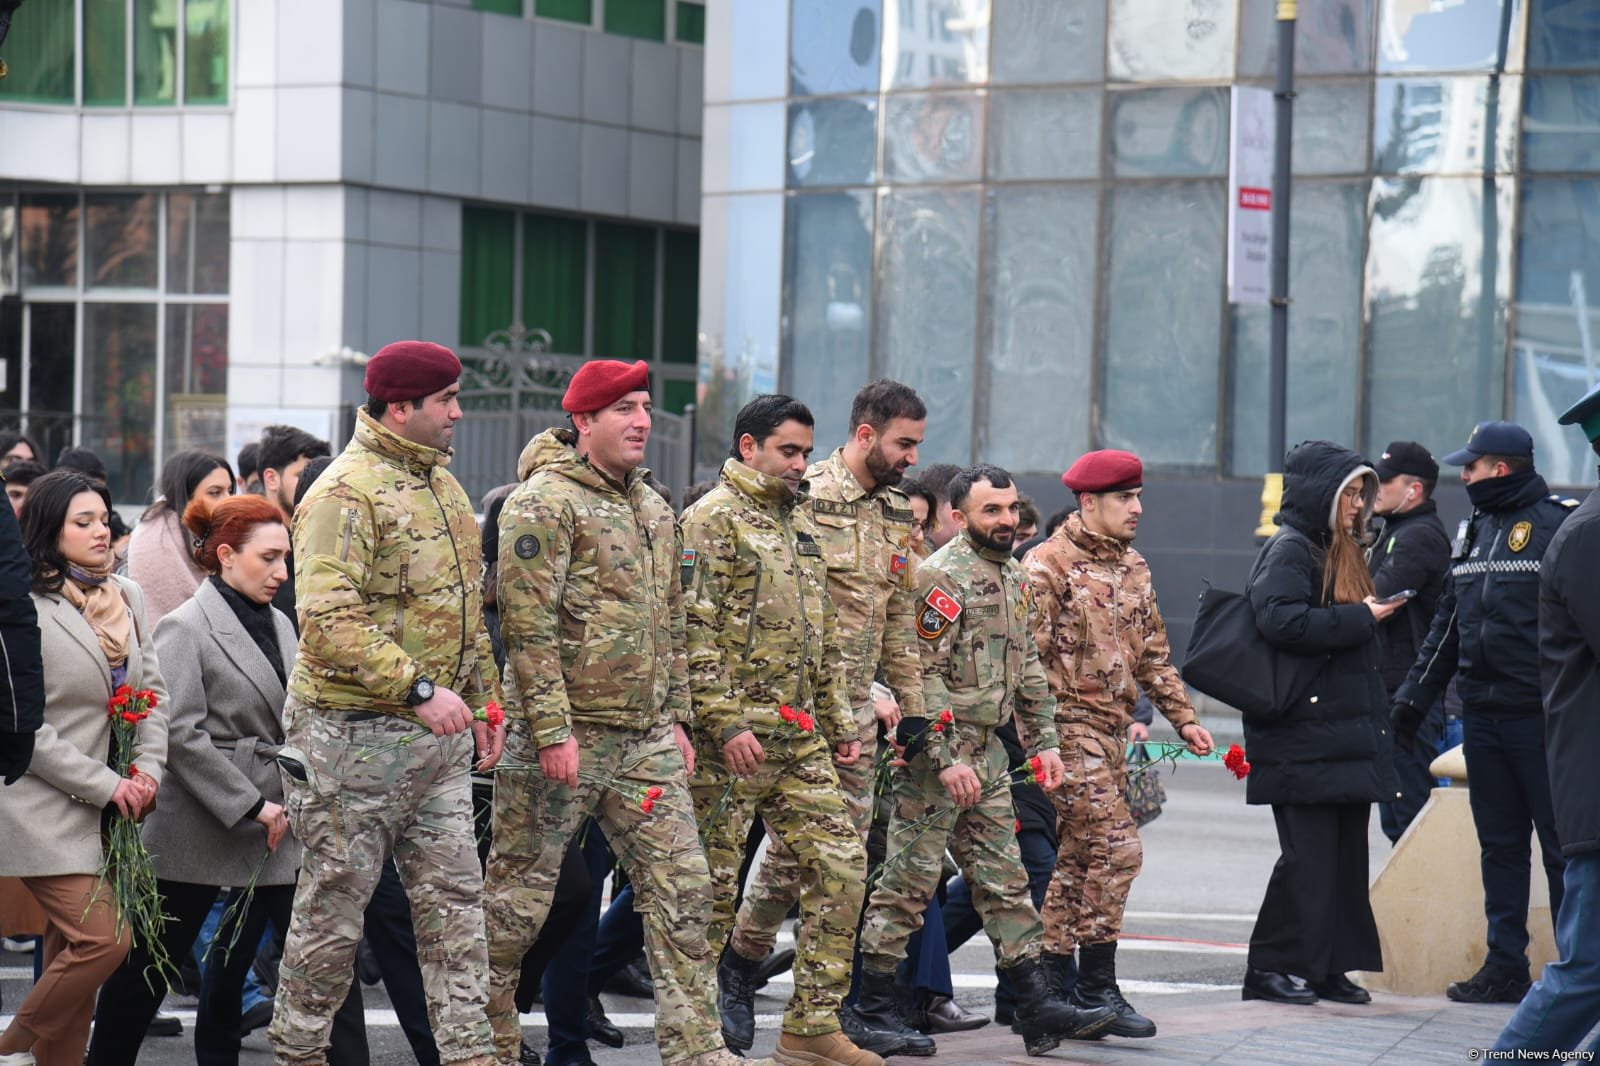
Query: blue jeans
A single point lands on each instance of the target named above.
(1562, 1007)
(962, 921)
(1509, 789)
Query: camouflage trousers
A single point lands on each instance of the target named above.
(981, 838)
(414, 802)
(796, 793)
(534, 819)
(775, 888)
(1100, 853)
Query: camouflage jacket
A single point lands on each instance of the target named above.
(759, 627)
(387, 559)
(978, 660)
(1099, 632)
(590, 609)
(866, 543)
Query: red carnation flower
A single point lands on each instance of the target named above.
(806, 722)
(653, 792)
(787, 713)
(946, 716)
(647, 805)
(938, 727)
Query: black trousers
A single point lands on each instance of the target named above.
(1316, 920)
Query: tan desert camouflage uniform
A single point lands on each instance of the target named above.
(1101, 638)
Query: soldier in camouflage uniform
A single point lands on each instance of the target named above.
(387, 561)
(770, 720)
(598, 704)
(979, 666)
(1100, 638)
(864, 525)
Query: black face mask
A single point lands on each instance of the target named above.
(1504, 493)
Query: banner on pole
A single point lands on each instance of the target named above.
(1250, 196)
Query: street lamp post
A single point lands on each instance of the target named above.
(1278, 362)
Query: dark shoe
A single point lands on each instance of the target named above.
(945, 1015)
(527, 1056)
(633, 980)
(164, 1025)
(1276, 988)
(600, 1027)
(1340, 989)
(1097, 987)
(257, 1017)
(1491, 984)
(1064, 969)
(367, 968)
(736, 999)
(877, 1041)
(1004, 1014)
(879, 1010)
(775, 963)
(1043, 1019)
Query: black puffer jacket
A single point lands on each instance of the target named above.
(1413, 552)
(1569, 652)
(1333, 745)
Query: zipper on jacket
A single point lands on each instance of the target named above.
(400, 604)
(461, 579)
(349, 530)
(802, 691)
(750, 626)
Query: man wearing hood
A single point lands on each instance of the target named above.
(1100, 638)
(1486, 628)
(771, 719)
(597, 688)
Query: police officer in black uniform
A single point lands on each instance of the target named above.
(1486, 627)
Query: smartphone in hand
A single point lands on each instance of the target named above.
(1398, 597)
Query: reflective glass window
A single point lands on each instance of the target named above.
(197, 242)
(488, 272)
(580, 11)
(1169, 132)
(1163, 322)
(741, 280)
(1330, 37)
(1561, 123)
(1039, 281)
(49, 231)
(827, 305)
(680, 295)
(1171, 40)
(119, 393)
(155, 52)
(205, 52)
(105, 53)
(122, 241)
(927, 308)
(1564, 33)
(1041, 42)
(197, 377)
(935, 42)
(52, 336)
(1444, 125)
(1554, 355)
(1326, 227)
(555, 264)
(834, 46)
(637, 18)
(1039, 134)
(743, 147)
(933, 137)
(1463, 35)
(44, 36)
(8, 244)
(691, 24)
(1437, 292)
(1330, 127)
(833, 141)
(499, 7)
(624, 291)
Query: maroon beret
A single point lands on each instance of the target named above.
(406, 370)
(600, 383)
(1105, 471)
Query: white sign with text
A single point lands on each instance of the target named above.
(1250, 196)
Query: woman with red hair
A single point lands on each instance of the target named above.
(221, 813)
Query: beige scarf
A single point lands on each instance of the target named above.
(99, 599)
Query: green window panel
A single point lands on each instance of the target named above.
(487, 271)
(554, 262)
(105, 53)
(691, 28)
(637, 18)
(680, 296)
(566, 10)
(40, 51)
(677, 395)
(624, 291)
(155, 52)
(205, 57)
(499, 7)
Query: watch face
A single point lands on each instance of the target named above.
(424, 690)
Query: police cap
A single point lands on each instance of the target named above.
(1493, 438)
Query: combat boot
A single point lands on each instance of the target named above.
(827, 1048)
(879, 1012)
(1064, 970)
(1042, 1018)
(723, 1057)
(736, 998)
(878, 1041)
(1097, 987)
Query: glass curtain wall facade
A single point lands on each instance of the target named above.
(1019, 207)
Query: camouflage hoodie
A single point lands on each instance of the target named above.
(761, 629)
(387, 562)
(1100, 633)
(590, 608)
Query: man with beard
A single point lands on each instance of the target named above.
(281, 456)
(1100, 638)
(978, 664)
(864, 525)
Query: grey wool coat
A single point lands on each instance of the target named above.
(50, 819)
(226, 726)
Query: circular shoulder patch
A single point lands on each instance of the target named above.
(527, 546)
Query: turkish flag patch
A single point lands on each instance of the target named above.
(939, 609)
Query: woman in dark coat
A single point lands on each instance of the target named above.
(1326, 759)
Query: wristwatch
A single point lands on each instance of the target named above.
(421, 692)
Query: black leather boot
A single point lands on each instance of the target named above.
(1064, 968)
(878, 1011)
(736, 999)
(1043, 1019)
(1097, 987)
